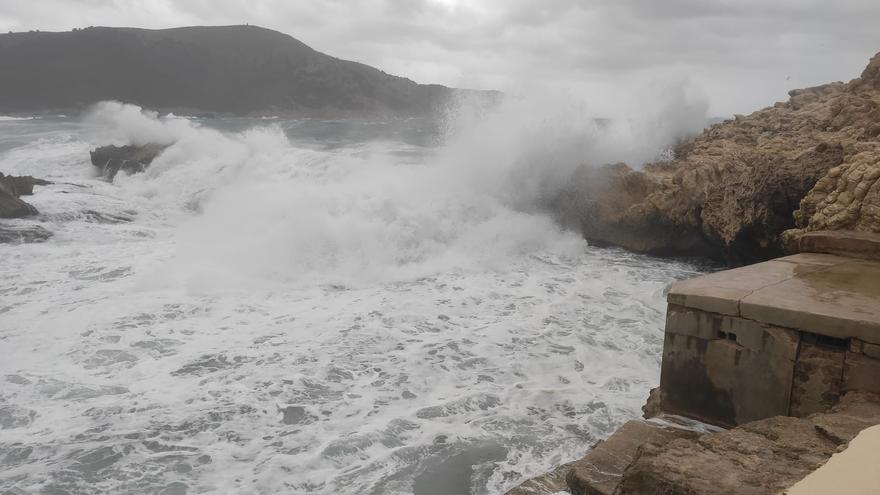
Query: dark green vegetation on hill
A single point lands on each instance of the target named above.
(224, 69)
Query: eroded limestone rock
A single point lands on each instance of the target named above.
(732, 191)
(846, 198)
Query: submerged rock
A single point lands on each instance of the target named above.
(731, 192)
(131, 159)
(13, 234)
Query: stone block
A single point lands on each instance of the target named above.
(742, 374)
(862, 373)
(819, 293)
(721, 292)
(817, 381)
(695, 323)
(841, 242)
(871, 350)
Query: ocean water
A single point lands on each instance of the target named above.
(311, 306)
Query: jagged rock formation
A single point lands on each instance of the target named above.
(11, 206)
(131, 159)
(848, 196)
(731, 192)
(200, 70)
(22, 185)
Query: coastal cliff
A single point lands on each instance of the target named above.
(811, 163)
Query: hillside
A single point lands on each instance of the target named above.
(228, 70)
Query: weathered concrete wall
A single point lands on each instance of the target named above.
(724, 369)
(786, 337)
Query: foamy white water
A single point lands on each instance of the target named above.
(308, 307)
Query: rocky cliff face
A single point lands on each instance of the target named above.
(731, 192)
(848, 196)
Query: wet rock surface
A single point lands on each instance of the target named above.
(22, 185)
(761, 457)
(841, 242)
(13, 234)
(131, 159)
(546, 484)
(10, 190)
(731, 192)
(13, 207)
(601, 471)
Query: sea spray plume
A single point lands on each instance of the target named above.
(198, 160)
(348, 219)
(524, 150)
(258, 210)
(271, 212)
(124, 123)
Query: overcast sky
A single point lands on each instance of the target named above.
(739, 54)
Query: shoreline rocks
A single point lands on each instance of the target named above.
(131, 159)
(761, 457)
(672, 455)
(11, 188)
(109, 160)
(811, 163)
(12, 207)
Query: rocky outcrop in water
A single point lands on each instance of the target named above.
(22, 185)
(11, 206)
(731, 192)
(131, 159)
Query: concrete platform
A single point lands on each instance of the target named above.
(785, 337)
(824, 294)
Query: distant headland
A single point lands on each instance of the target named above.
(220, 70)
